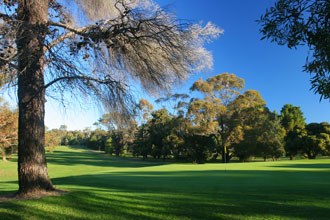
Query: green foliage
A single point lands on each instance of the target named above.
(303, 22)
(294, 141)
(198, 147)
(95, 141)
(223, 122)
(292, 118)
(271, 138)
(293, 121)
(225, 86)
(312, 146)
(160, 130)
(109, 149)
(52, 139)
(316, 141)
(142, 144)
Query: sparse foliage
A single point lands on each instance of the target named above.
(303, 22)
(45, 46)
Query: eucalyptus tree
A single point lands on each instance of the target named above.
(145, 107)
(219, 92)
(96, 52)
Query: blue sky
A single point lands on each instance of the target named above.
(275, 71)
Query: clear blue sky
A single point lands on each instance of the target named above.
(275, 71)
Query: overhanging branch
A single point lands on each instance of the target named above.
(104, 81)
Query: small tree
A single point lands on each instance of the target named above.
(8, 128)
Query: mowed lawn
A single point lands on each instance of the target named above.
(103, 187)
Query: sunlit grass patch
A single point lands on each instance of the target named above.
(102, 187)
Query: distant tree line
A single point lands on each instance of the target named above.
(224, 122)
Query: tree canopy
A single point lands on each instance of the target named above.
(303, 22)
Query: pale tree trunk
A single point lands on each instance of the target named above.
(32, 167)
(3, 153)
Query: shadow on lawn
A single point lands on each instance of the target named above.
(192, 194)
(87, 157)
(318, 166)
(211, 194)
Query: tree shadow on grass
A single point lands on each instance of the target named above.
(211, 194)
(191, 194)
(318, 166)
(72, 158)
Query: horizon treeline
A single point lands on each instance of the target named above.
(226, 121)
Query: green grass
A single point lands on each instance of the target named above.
(103, 187)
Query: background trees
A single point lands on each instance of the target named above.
(316, 141)
(198, 130)
(293, 122)
(8, 129)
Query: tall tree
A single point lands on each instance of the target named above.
(110, 43)
(159, 130)
(293, 121)
(246, 114)
(220, 91)
(303, 22)
(271, 137)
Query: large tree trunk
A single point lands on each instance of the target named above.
(32, 166)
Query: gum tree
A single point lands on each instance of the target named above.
(219, 92)
(97, 52)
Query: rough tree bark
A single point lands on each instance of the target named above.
(32, 166)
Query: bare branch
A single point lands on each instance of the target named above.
(105, 81)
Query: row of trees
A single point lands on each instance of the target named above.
(224, 122)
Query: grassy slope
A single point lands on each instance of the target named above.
(110, 188)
